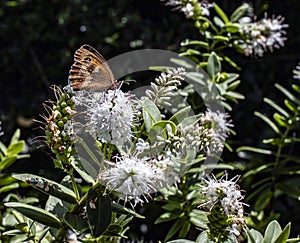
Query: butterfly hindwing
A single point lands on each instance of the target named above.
(90, 71)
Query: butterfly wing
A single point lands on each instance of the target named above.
(90, 71)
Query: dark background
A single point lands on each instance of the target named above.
(38, 39)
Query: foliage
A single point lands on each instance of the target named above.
(85, 204)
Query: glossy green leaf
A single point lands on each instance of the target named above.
(180, 115)
(276, 107)
(184, 229)
(174, 228)
(272, 232)
(203, 238)
(166, 217)
(15, 137)
(213, 65)
(235, 95)
(15, 148)
(284, 235)
(290, 105)
(240, 12)
(151, 113)
(37, 214)
(48, 186)
(220, 12)
(7, 161)
(194, 42)
(268, 121)
(76, 223)
(218, 21)
(77, 165)
(220, 38)
(123, 210)
(254, 236)
(10, 187)
(287, 93)
(98, 208)
(280, 120)
(255, 150)
(232, 28)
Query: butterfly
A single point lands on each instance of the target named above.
(90, 71)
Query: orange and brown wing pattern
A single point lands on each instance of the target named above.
(90, 71)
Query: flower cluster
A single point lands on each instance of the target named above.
(191, 8)
(225, 206)
(107, 116)
(59, 129)
(163, 90)
(141, 152)
(263, 35)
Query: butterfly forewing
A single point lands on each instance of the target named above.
(90, 71)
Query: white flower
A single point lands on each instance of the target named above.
(296, 72)
(216, 130)
(263, 35)
(135, 178)
(228, 193)
(108, 116)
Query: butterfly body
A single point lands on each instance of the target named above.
(90, 71)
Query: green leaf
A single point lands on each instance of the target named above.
(48, 186)
(184, 229)
(272, 232)
(151, 113)
(276, 107)
(37, 214)
(174, 229)
(10, 187)
(218, 21)
(232, 28)
(7, 161)
(203, 238)
(98, 208)
(235, 95)
(180, 115)
(290, 105)
(15, 148)
(284, 235)
(166, 217)
(123, 210)
(213, 65)
(232, 63)
(194, 42)
(15, 137)
(76, 223)
(287, 93)
(281, 120)
(254, 236)
(263, 200)
(191, 120)
(221, 38)
(77, 165)
(255, 150)
(268, 121)
(220, 12)
(239, 12)
(3, 148)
